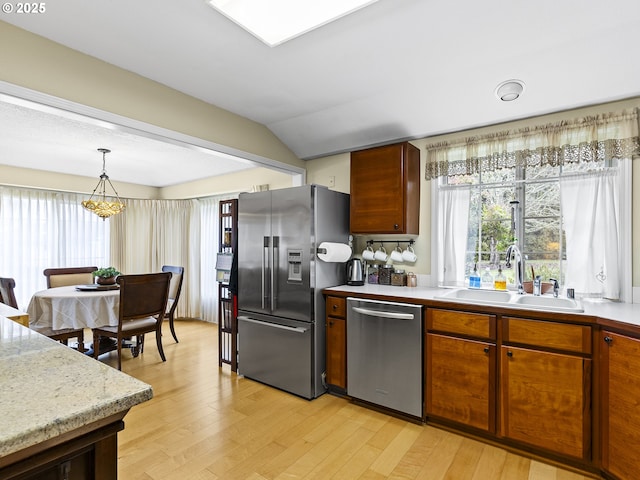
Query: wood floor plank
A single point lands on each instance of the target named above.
(516, 466)
(396, 449)
(491, 463)
(440, 458)
(334, 464)
(466, 460)
(417, 456)
(207, 423)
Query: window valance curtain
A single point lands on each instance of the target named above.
(588, 139)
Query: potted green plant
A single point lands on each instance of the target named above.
(106, 276)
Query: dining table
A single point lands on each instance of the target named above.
(76, 306)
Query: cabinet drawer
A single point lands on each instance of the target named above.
(336, 307)
(561, 336)
(462, 323)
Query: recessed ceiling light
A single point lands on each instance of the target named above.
(509, 90)
(277, 21)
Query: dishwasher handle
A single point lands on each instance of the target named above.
(384, 313)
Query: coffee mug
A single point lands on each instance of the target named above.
(396, 255)
(381, 254)
(409, 255)
(368, 253)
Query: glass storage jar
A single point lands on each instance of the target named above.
(372, 274)
(384, 276)
(398, 278)
(412, 280)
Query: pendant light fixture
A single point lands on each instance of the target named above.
(100, 205)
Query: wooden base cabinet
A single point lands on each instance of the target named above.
(620, 412)
(460, 381)
(546, 400)
(545, 385)
(460, 368)
(336, 348)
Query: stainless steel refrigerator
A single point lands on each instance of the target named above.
(281, 310)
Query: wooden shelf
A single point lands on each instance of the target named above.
(227, 321)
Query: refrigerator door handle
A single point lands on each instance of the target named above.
(274, 273)
(273, 325)
(384, 314)
(265, 271)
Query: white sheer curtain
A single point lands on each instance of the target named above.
(209, 227)
(591, 216)
(153, 233)
(43, 229)
(210, 230)
(453, 225)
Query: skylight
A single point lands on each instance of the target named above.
(277, 21)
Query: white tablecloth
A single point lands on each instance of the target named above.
(66, 307)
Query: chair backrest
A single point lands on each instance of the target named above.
(6, 292)
(62, 277)
(143, 295)
(176, 284)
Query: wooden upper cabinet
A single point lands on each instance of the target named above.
(385, 190)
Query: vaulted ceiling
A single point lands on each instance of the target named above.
(397, 69)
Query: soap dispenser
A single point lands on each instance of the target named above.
(474, 278)
(487, 279)
(500, 282)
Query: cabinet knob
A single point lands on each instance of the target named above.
(331, 323)
(608, 339)
(335, 307)
(396, 226)
(509, 353)
(486, 349)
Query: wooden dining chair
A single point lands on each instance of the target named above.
(143, 303)
(62, 277)
(7, 296)
(174, 294)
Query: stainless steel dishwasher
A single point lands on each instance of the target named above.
(384, 354)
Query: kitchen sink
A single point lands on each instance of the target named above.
(511, 299)
(484, 296)
(551, 303)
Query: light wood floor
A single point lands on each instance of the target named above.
(208, 423)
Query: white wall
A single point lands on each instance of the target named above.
(321, 169)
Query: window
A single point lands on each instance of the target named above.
(561, 192)
(521, 205)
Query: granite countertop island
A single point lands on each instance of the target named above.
(51, 394)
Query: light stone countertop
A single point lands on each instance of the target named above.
(627, 313)
(48, 389)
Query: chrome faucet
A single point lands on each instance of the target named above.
(514, 251)
(556, 287)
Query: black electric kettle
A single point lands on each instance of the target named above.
(355, 272)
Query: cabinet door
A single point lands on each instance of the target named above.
(620, 385)
(460, 381)
(337, 352)
(546, 400)
(385, 190)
